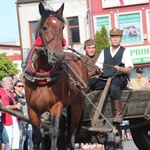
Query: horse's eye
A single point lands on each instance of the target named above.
(44, 28)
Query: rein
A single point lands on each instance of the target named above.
(73, 50)
(76, 83)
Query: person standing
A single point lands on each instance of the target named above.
(10, 122)
(114, 62)
(20, 98)
(138, 82)
(3, 133)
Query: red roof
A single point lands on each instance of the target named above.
(14, 57)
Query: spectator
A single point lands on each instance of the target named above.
(126, 132)
(138, 82)
(10, 122)
(114, 62)
(20, 98)
(3, 134)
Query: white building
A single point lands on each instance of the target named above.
(75, 13)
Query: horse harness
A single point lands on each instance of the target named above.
(51, 75)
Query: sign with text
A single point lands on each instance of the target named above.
(120, 3)
(140, 54)
(100, 21)
(131, 24)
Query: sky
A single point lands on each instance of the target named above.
(8, 21)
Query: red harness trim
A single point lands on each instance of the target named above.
(34, 71)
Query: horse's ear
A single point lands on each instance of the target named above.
(60, 10)
(41, 9)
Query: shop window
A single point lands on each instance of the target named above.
(131, 24)
(102, 20)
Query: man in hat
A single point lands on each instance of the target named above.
(90, 57)
(138, 82)
(114, 62)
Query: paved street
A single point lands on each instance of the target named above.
(129, 145)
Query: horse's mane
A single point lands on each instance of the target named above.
(44, 16)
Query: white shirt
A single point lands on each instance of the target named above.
(126, 58)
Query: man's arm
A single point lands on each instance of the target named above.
(126, 70)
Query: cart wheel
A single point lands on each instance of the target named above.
(113, 141)
(140, 135)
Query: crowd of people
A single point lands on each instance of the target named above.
(14, 131)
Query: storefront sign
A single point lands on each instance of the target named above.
(131, 24)
(140, 54)
(120, 3)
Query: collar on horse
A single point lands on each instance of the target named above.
(40, 78)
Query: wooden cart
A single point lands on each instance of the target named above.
(97, 126)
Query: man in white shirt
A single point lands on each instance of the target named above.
(115, 62)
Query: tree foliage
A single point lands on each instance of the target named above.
(101, 39)
(7, 67)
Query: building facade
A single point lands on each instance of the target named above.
(75, 14)
(133, 17)
(13, 52)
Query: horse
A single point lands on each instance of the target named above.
(54, 79)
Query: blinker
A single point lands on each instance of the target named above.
(38, 41)
(64, 42)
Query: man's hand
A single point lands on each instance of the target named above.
(101, 70)
(117, 68)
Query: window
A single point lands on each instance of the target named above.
(102, 20)
(131, 24)
(73, 30)
(33, 27)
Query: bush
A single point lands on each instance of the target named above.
(7, 67)
(101, 39)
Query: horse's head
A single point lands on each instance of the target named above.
(51, 31)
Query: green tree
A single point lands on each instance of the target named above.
(7, 67)
(101, 39)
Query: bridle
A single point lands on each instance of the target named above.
(53, 38)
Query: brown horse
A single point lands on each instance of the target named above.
(53, 79)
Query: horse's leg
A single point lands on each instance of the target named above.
(54, 130)
(36, 134)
